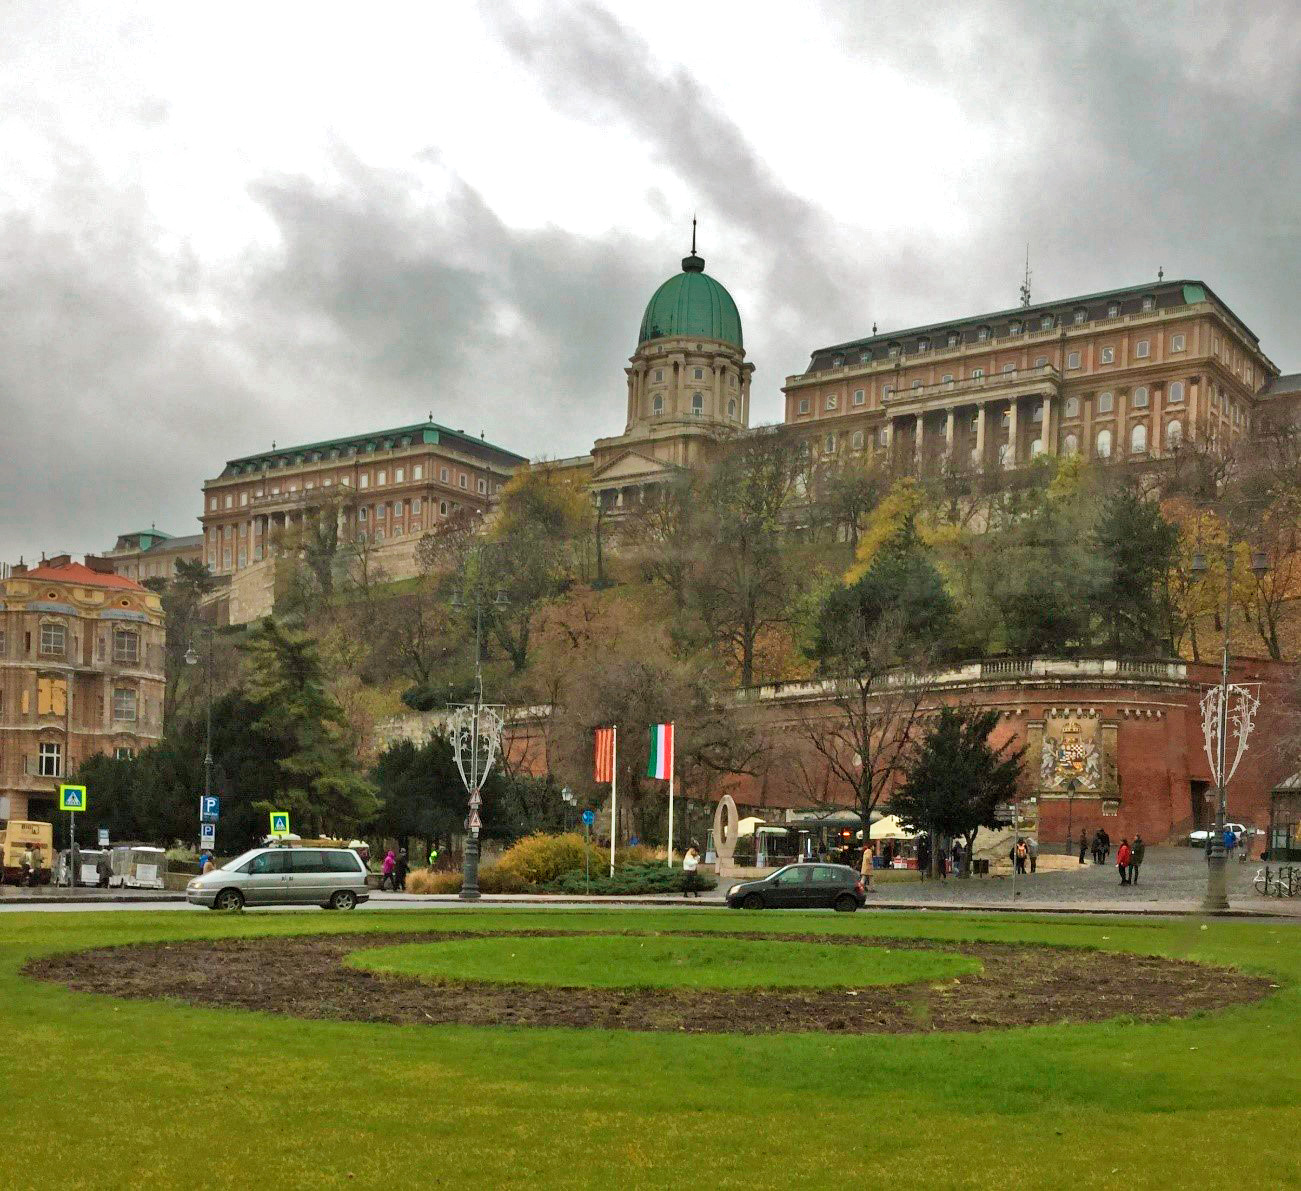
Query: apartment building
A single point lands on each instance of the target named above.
(81, 672)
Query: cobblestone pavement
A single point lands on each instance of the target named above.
(1170, 878)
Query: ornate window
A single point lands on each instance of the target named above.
(49, 757)
(124, 705)
(1071, 445)
(1108, 355)
(126, 646)
(1072, 359)
(1138, 439)
(657, 403)
(1106, 403)
(1080, 316)
(1103, 446)
(1140, 397)
(860, 396)
(1177, 342)
(731, 407)
(1046, 323)
(1174, 434)
(1072, 407)
(977, 373)
(1007, 368)
(804, 405)
(857, 440)
(1175, 394)
(697, 403)
(832, 401)
(698, 374)
(53, 639)
(1142, 349)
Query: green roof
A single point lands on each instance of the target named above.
(691, 303)
(427, 432)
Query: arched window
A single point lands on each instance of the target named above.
(1104, 444)
(1140, 397)
(1138, 439)
(1072, 407)
(657, 403)
(731, 408)
(1070, 445)
(1105, 403)
(1174, 434)
(1036, 447)
(1176, 392)
(697, 403)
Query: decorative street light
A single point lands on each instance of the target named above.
(475, 729)
(1072, 787)
(192, 659)
(1227, 706)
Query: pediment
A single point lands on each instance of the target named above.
(632, 465)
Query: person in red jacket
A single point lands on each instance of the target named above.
(1122, 861)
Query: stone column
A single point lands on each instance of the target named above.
(1086, 446)
(1193, 387)
(1012, 430)
(980, 433)
(1049, 431)
(889, 441)
(919, 440)
(950, 416)
(1157, 446)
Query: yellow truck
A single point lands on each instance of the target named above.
(16, 837)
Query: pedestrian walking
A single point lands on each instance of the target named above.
(36, 864)
(1106, 846)
(103, 869)
(1122, 861)
(400, 871)
(865, 869)
(1083, 845)
(1020, 854)
(1097, 846)
(1136, 851)
(957, 858)
(1032, 847)
(924, 856)
(386, 870)
(690, 879)
(433, 855)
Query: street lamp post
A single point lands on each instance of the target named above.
(1071, 787)
(476, 736)
(1216, 715)
(191, 659)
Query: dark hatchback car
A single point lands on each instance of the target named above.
(801, 886)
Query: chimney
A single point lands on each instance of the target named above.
(19, 568)
(101, 566)
(57, 560)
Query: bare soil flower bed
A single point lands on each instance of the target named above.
(305, 976)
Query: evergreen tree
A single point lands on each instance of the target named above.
(302, 727)
(956, 779)
(1136, 547)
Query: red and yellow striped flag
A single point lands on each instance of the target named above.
(605, 754)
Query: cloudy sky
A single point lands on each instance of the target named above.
(222, 225)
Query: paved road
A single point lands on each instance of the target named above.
(1172, 881)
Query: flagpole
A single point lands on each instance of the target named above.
(673, 758)
(614, 795)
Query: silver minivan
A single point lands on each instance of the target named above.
(333, 878)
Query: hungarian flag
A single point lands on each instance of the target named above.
(605, 754)
(660, 764)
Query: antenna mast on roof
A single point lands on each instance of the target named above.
(693, 235)
(1160, 274)
(1025, 285)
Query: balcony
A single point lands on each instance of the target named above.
(1024, 382)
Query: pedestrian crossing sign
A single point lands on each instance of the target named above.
(72, 798)
(279, 823)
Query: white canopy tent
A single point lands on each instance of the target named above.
(889, 828)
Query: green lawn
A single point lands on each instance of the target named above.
(107, 1093)
(664, 963)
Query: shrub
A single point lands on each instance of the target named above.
(634, 879)
(638, 854)
(492, 879)
(541, 858)
(426, 880)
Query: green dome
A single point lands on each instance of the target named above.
(691, 303)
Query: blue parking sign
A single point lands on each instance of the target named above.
(209, 808)
(208, 835)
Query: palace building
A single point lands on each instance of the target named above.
(81, 673)
(1124, 374)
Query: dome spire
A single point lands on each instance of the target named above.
(693, 263)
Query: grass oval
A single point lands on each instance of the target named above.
(614, 961)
